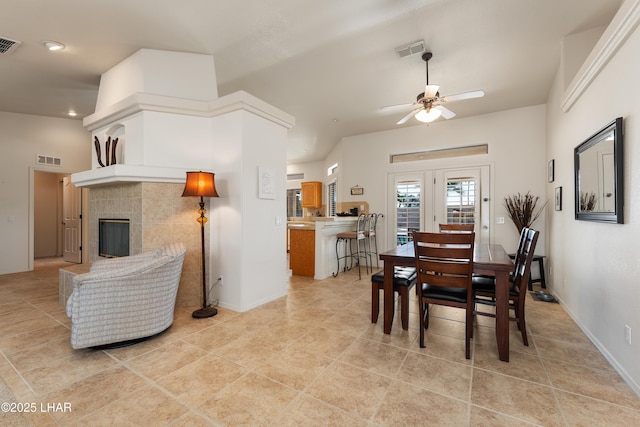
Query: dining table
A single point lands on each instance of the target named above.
(488, 260)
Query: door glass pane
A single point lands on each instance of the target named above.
(332, 199)
(461, 201)
(294, 203)
(407, 210)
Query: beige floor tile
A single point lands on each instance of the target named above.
(408, 405)
(482, 417)
(165, 360)
(149, 406)
(198, 381)
(253, 400)
(583, 411)
(528, 401)
(293, 367)
(309, 412)
(324, 342)
(552, 351)
(352, 389)
(215, 336)
(398, 337)
(61, 373)
(348, 322)
(444, 347)
(438, 375)
(193, 419)
(521, 365)
(375, 357)
(603, 384)
(92, 393)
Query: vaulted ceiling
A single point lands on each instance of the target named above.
(332, 64)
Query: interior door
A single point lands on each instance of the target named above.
(72, 218)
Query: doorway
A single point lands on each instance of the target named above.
(56, 217)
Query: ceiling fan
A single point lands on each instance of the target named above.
(427, 106)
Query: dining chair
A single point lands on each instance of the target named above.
(404, 278)
(456, 228)
(484, 288)
(444, 265)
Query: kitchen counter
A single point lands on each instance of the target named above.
(326, 230)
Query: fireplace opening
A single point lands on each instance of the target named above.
(113, 237)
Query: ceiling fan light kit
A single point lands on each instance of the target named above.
(427, 107)
(428, 116)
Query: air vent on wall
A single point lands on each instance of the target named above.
(292, 176)
(7, 46)
(48, 160)
(410, 49)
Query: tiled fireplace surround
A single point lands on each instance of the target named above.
(158, 216)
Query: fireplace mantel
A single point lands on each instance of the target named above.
(125, 173)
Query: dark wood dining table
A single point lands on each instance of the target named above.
(490, 260)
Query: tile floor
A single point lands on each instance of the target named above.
(312, 358)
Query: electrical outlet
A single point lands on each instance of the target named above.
(627, 334)
(220, 281)
(500, 220)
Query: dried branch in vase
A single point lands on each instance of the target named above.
(522, 209)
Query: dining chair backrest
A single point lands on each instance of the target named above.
(456, 228)
(444, 259)
(524, 259)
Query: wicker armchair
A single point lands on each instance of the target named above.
(125, 299)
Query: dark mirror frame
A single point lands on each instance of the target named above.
(591, 142)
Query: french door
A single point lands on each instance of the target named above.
(421, 200)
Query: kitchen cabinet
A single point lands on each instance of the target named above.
(302, 252)
(311, 194)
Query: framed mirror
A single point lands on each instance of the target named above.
(598, 175)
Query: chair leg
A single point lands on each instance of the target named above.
(422, 325)
(375, 302)
(522, 322)
(469, 331)
(404, 307)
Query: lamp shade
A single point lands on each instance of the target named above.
(200, 184)
(428, 116)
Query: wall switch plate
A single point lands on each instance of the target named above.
(627, 334)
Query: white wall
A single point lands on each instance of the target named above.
(595, 267)
(248, 233)
(516, 140)
(22, 138)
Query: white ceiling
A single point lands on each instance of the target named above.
(330, 63)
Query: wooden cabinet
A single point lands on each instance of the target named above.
(302, 253)
(311, 194)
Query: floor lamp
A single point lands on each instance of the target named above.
(201, 184)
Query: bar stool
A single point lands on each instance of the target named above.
(404, 278)
(372, 239)
(347, 238)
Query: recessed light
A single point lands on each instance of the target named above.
(52, 45)
(72, 113)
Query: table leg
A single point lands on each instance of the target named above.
(388, 296)
(502, 314)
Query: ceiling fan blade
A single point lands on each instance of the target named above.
(430, 91)
(446, 113)
(408, 116)
(463, 95)
(396, 107)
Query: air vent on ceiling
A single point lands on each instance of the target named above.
(48, 160)
(410, 49)
(7, 46)
(292, 176)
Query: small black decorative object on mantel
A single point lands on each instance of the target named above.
(110, 151)
(201, 184)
